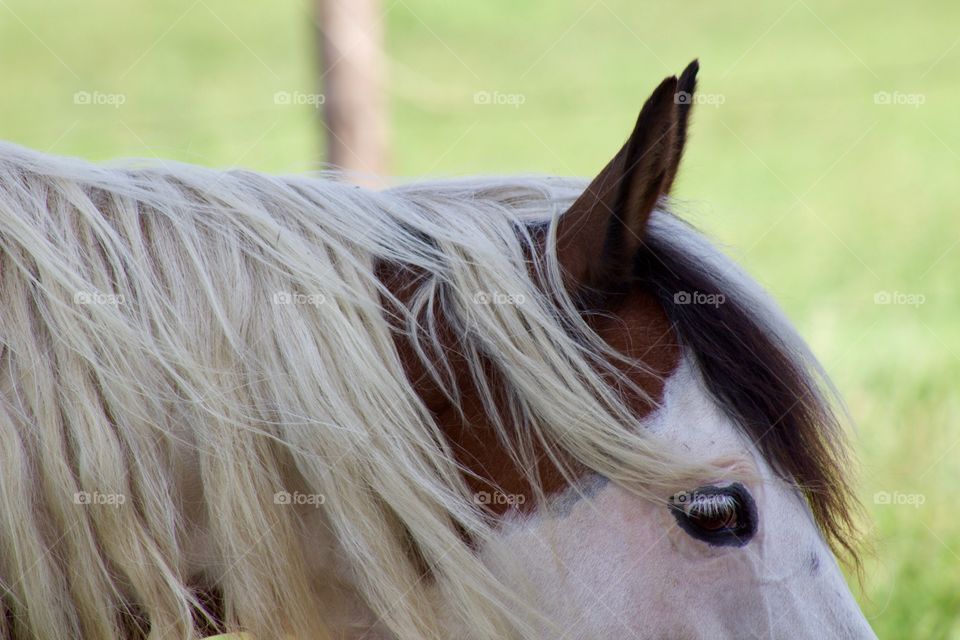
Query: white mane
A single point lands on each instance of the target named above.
(179, 346)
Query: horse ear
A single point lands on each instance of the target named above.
(599, 235)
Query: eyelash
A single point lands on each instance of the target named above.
(710, 506)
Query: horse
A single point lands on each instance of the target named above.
(486, 408)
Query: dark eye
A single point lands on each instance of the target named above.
(721, 516)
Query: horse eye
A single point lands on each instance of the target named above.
(721, 516)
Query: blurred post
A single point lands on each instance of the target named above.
(350, 42)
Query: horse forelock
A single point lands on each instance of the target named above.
(758, 370)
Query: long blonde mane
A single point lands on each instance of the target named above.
(181, 346)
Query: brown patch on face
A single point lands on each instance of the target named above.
(633, 323)
(636, 327)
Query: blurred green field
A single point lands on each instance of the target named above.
(827, 193)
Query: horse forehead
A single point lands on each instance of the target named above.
(690, 417)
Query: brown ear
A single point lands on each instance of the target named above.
(598, 237)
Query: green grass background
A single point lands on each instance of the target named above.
(826, 196)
